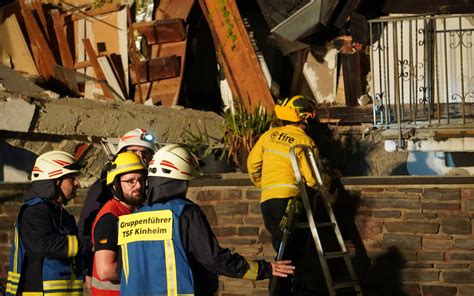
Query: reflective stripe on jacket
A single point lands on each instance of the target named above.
(154, 260)
(100, 287)
(269, 163)
(58, 276)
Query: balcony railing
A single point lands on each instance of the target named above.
(422, 70)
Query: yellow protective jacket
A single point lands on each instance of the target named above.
(269, 163)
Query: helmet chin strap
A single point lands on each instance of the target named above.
(61, 197)
(118, 193)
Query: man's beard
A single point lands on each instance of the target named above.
(134, 201)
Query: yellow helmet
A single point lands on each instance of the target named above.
(125, 162)
(296, 109)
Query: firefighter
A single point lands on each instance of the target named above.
(168, 246)
(139, 141)
(126, 180)
(44, 253)
(269, 167)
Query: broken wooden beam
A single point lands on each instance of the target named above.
(92, 13)
(64, 50)
(161, 31)
(44, 58)
(236, 54)
(155, 69)
(96, 66)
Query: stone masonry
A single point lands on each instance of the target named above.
(414, 239)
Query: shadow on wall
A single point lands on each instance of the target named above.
(15, 163)
(380, 275)
(384, 278)
(347, 155)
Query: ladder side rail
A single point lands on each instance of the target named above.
(324, 193)
(108, 147)
(310, 217)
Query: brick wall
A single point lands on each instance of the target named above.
(415, 238)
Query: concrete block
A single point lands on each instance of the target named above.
(232, 194)
(456, 225)
(225, 209)
(420, 275)
(402, 241)
(412, 227)
(451, 265)
(419, 216)
(441, 194)
(389, 203)
(437, 244)
(16, 115)
(462, 256)
(253, 194)
(440, 206)
(466, 291)
(387, 214)
(245, 231)
(224, 231)
(209, 195)
(467, 244)
(458, 277)
(439, 291)
(431, 256)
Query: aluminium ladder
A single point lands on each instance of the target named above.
(323, 256)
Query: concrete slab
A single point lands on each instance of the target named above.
(16, 115)
(14, 82)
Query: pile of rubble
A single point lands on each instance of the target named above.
(99, 49)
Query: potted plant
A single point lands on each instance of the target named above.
(242, 129)
(210, 150)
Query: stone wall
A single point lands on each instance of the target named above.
(408, 236)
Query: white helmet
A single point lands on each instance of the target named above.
(176, 162)
(53, 165)
(137, 137)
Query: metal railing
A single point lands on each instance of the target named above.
(422, 70)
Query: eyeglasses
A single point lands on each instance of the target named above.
(132, 182)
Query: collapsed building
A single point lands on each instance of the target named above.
(393, 80)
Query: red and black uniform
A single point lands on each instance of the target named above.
(96, 197)
(105, 233)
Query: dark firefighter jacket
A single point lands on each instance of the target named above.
(45, 247)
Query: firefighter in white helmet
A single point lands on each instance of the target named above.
(169, 223)
(137, 140)
(45, 247)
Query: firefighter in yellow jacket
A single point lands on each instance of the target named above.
(270, 167)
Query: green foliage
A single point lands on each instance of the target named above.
(99, 3)
(242, 130)
(204, 145)
(228, 22)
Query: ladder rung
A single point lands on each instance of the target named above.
(346, 284)
(326, 224)
(302, 225)
(330, 255)
(319, 224)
